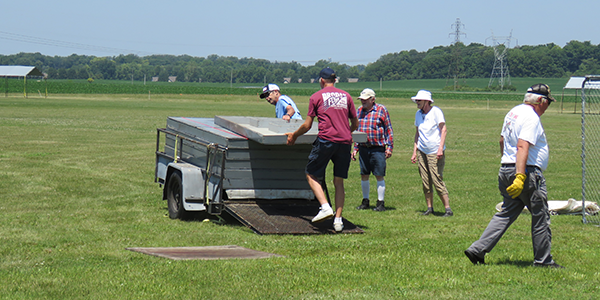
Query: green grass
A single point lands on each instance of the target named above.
(386, 89)
(76, 189)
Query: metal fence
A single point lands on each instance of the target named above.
(590, 147)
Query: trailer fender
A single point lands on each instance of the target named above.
(192, 181)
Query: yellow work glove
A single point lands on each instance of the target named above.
(515, 189)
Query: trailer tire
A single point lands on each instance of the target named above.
(175, 197)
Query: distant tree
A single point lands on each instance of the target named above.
(577, 51)
(475, 61)
(104, 66)
(588, 66)
(163, 75)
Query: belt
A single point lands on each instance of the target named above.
(370, 146)
(513, 165)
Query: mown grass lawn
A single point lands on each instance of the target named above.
(76, 189)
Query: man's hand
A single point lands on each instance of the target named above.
(354, 152)
(291, 140)
(388, 153)
(515, 189)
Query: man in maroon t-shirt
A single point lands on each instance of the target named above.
(333, 108)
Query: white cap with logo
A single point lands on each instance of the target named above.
(366, 94)
(268, 89)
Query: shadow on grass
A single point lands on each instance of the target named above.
(202, 216)
(516, 263)
(227, 219)
(434, 214)
(372, 207)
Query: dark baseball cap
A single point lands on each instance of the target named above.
(541, 89)
(327, 73)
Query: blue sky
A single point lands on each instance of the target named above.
(351, 32)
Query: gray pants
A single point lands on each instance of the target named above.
(535, 197)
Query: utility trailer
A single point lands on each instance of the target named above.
(240, 165)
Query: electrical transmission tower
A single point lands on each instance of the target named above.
(456, 26)
(500, 71)
(455, 69)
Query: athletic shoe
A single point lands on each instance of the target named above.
(427, 212)
(380, 206)
(448, 213)
(338, 226)
(364, 204)
(553, 265)
(474, 258)
(323, 215)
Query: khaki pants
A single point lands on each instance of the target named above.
(431, 170)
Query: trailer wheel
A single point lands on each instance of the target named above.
(175, 197)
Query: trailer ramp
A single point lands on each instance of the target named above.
(283, 217)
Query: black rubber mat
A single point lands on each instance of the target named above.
(284, 217)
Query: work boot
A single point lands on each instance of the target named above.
(474, 258)
(364, 204)
(553, 265)
(380, 206)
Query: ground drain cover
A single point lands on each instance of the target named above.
(204, 253)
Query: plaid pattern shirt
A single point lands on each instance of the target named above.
(377, 125)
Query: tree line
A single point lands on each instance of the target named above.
(467, 61)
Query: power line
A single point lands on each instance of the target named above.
(63, 44)
(71, 45)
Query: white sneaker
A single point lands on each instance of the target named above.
(338, 226)
(323, 215)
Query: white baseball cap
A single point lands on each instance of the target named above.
(268, 89)
(366, 94)
(422, 95)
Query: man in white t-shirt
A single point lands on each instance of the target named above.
(520, 179)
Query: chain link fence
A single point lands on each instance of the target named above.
(590, 147)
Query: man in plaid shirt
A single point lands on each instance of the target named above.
(374, 120)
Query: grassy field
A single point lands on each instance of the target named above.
(389, 89)
(76, 189)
